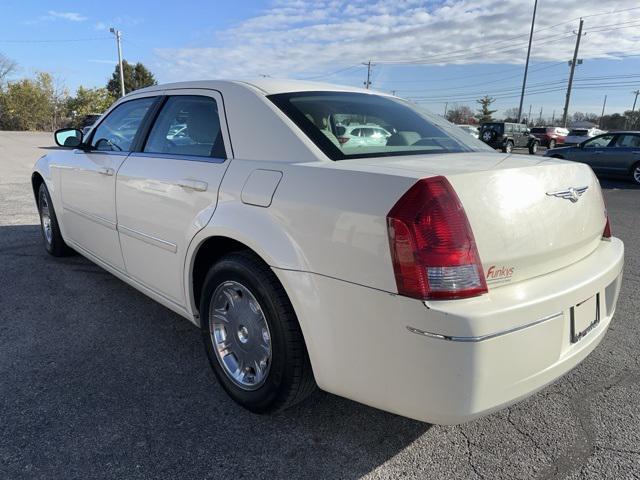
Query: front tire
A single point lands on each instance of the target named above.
(53, 242)
(252, 336)
(533, 148)
(508, 147)
(552, 144)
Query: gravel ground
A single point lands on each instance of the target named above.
(98, 381)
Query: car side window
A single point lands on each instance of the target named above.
(508, 128)
(628, 141)
(598, 142)
(118, 130)
(187, 125)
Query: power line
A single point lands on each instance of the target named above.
(60, 40)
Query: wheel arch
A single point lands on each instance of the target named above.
(36, 181)
(213, 243)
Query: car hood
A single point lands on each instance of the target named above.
(557, 150)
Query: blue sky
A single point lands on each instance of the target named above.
(433, 52)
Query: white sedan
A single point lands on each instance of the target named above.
(429, 276)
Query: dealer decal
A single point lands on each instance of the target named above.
(499, 274)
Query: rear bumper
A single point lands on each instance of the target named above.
(451, 361)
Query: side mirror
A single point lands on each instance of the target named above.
(68, 137)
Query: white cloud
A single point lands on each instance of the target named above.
(71, 16)
(307, 37)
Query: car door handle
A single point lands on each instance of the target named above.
(190, 184)
(106, 171)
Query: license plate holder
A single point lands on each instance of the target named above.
(585, 316)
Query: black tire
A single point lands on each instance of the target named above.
(552, 144)
(53, 242)
(635, 173)
(508, 147)
(290, 378)
(533, 148)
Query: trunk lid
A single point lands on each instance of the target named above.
(523, 224)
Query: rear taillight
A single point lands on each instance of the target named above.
(607, 227)
(432, 246)
(343, 140)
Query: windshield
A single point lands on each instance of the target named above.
(538, 130)
(355, 125)
(578, 133)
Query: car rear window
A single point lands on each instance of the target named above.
(323, 115)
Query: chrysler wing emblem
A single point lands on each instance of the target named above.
(572, 193)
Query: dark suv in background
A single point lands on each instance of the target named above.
(507, 136)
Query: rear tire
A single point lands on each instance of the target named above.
(533, 148)
(635, 173)
(508, 147)
(53, 242)
(252, 335)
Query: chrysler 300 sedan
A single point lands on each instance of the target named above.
(616, 153)
(428, 276)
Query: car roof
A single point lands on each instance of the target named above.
(268, 86)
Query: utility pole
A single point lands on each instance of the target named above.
(529, 116)
(118, 35)
(367, 84)
(526, 65)
(553, 118)
(446, 105)
(540, 117)
(633, 109)
(573, 67)
(604, 104)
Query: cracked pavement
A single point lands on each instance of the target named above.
(98, 381)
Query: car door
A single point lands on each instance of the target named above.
(168, 190)
(621, 155)
(595, 152)
(88, 181)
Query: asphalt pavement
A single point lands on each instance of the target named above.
(98, 381)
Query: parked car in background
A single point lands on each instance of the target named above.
(550, 136)
(579, 135)
(506, 136)
(471, 130)
(427, 276)
(610, 153)
(362, 135)
(88, 121)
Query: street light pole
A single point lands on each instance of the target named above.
(118, 35)
(573, 67)
(526, 65)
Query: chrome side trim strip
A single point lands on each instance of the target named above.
(90, 216)
(480, 338)
(151, 240)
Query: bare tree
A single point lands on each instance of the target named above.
(7, 67)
